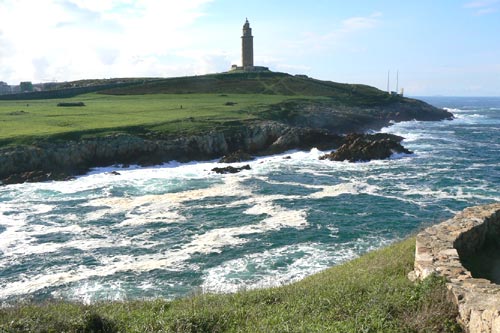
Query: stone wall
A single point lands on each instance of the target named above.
(439, 250)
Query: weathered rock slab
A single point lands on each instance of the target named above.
(367, 147)
(440, 250)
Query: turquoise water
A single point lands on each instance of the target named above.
(174, 230)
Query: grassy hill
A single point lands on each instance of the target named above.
(268, 83)
(184, 105)
(369, 294)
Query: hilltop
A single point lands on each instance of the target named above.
(267, 82)
(238, 82)
(150, 121)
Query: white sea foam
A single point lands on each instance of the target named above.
(253, 271)
(278, 217)
(352, 188)
(454, 110)
(88, 291)
(109, 266)
(119, 209)
(16, 233)
(210, 242)
(151, 214)
(155, 206)
(116, 204)
(458, 193)
(261, 270)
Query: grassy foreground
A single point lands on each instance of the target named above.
(369, 294)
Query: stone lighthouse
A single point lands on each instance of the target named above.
(247, 52)
(247, 46)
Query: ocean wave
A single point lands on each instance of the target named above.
(102, 231)
(352, 188)
(88, 292)
(455, 110)
(283, 265)
(254, 270)
(210, 242)
(278, 217)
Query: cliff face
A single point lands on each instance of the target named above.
(291, 125)
(46, 161)
(343, 119)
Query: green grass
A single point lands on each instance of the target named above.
(209, 102)
(271, 83)
(23, 121)
(369, 294)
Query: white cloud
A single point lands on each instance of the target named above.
(72, 39)
(338, 35)
(360, 23)
(483, 7)
(480, 4)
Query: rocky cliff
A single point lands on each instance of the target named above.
(343, 118)
(44, 161)
(290, 125)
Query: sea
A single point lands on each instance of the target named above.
(180, 229)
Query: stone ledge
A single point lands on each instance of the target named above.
(438, 250)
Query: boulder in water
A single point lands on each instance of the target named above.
(367, 147)
(230, 169)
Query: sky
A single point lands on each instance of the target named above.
(438, 47)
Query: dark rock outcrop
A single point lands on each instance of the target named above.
(237, 156)
(35, 176)
(344, 119)
(58, 160)
(303, 138)
(367, 147)
(230, 169)
(300, 125)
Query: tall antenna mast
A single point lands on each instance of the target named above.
(388, 74)
(397, 81)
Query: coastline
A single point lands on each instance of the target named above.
(459, 195)
(45, 160)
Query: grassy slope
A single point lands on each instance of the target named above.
(261, 83)
(25, 120)
(370, 294)
(156, 106)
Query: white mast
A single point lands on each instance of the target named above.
(397, 81)
(388, 87)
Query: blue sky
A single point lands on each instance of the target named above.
(440, 47)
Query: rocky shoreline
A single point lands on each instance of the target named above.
(42, 161)
(60, 161)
